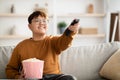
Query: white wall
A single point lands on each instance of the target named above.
(111, 6)
(78, 6)
(21, 7)
(62, 6)
(114, 5)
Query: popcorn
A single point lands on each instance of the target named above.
(32, 60)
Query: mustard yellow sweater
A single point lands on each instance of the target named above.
(47, 50)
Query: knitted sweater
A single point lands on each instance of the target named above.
(47, 49)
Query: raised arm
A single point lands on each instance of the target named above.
(65, 40)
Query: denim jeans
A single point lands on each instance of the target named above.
(57, 77)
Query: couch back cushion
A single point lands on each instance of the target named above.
(85, 62)
(5, 53)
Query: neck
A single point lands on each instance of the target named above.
(38, 37)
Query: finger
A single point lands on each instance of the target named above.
(75, 27)
(23, 73)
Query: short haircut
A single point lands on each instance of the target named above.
(35, 14)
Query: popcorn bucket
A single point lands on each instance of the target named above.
(33, 68)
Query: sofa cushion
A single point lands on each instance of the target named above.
(5, 53)
(111, 69)
(85, 62)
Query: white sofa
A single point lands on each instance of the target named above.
(83, 62)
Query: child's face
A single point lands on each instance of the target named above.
(39, 25)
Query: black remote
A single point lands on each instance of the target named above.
(75, 21)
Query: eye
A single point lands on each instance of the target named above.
(36, 20)
(44, 21)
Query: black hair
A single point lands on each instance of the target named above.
(35, 14)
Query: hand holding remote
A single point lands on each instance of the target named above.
(74, 26)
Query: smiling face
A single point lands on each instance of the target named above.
(39, 25)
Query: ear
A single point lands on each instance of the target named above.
(29, 25)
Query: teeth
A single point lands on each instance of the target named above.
(40, 27)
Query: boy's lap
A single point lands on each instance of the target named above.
(57, 77)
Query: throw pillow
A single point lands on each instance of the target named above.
(111, 69)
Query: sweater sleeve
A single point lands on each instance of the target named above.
(64, 41)
(12, 68)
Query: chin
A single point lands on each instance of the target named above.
(43, 33)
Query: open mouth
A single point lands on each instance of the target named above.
(41, 28)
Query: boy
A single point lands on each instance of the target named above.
(42, 47)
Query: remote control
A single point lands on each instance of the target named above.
(75, 21)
